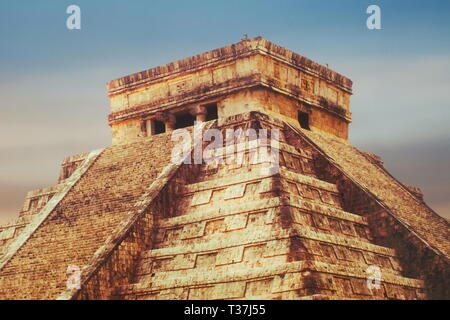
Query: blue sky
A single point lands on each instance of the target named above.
(52, 80)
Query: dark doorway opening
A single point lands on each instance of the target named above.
(158, 127)
(184, 120)
(303, 119)
(211, 112)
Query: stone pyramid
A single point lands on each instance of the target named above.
(321, 220)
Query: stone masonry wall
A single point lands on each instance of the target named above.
(416, 254)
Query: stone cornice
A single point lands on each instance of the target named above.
(228, 53)
(207, 93)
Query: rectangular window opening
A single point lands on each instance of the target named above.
(211, 112)
(303, 119)
(158, 127)
(184, 120)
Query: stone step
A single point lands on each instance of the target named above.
(297, 160)
(273, 278)
(194, 215)
(264, 233)
(200, 227)
(236, 258)
(253, 185)
(266, 245)
(228, 154)
(253, 174)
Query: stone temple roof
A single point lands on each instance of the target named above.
(243, 48)
(142, 227)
